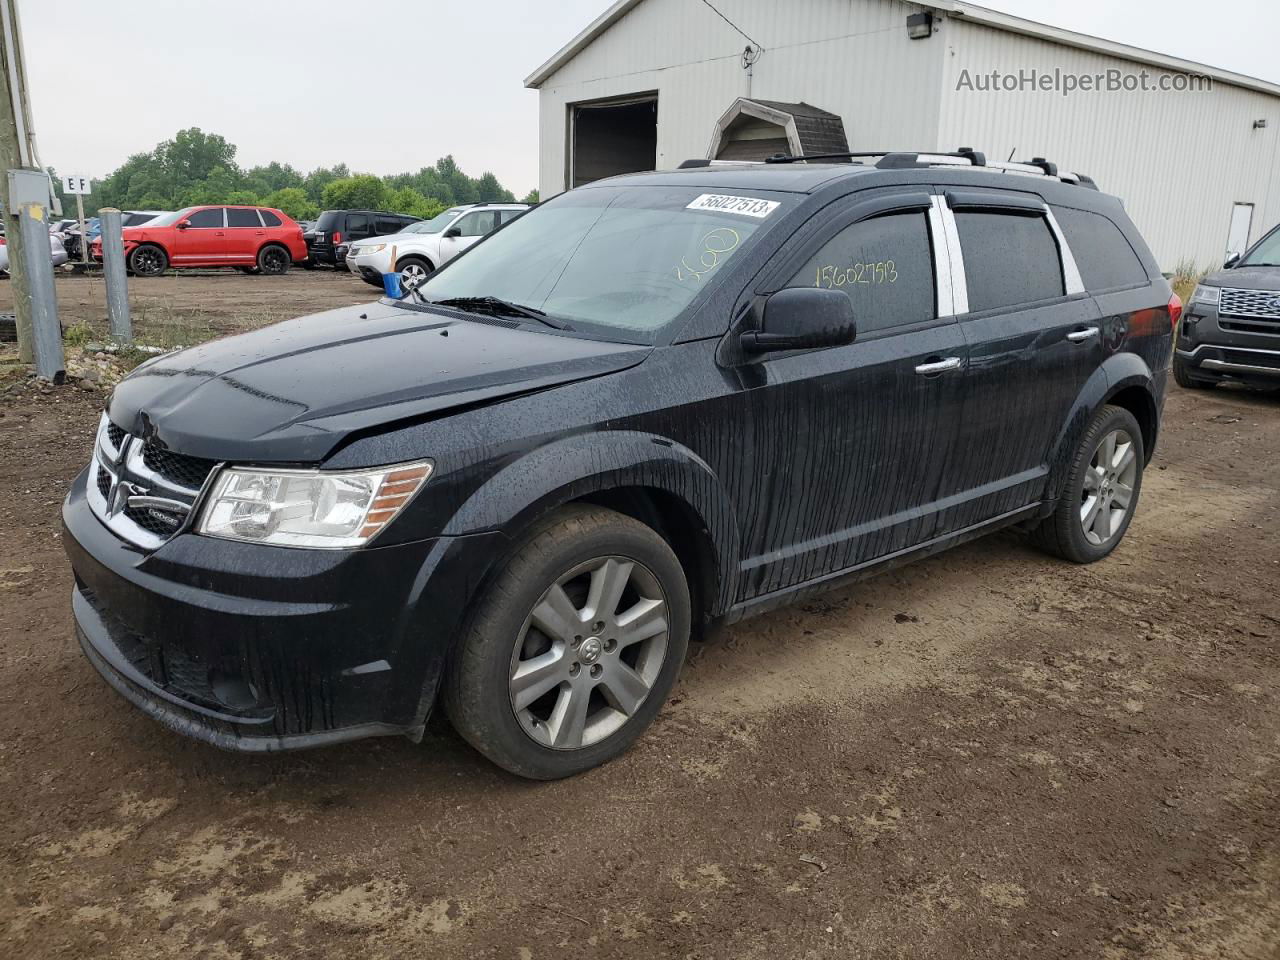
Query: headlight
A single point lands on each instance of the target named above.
(1206, 295)
(309, 508)
(373, 248)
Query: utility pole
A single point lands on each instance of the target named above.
(17, 152)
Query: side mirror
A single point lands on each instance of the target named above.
(802, 318)
(182, 224)
(1231, 261)
(453, 232)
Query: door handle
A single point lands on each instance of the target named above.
(938, 366)
(1080, 336)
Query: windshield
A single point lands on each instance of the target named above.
(622, 261)
(435, 224)
(1265, 254)
(169, 219)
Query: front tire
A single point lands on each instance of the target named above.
(148, 260)
(1182, 376)
(573, 647)
(414, 270)
(1101, 491)
(274, 260)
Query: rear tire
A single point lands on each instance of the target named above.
(148, 260)
(573, 647)
(1101, 491)
(1182, 376)
(274, 260)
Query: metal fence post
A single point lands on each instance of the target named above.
(113, 270)
(46, 339)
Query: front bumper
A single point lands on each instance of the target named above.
(1245, 364)
(256, 648)
(370, 265)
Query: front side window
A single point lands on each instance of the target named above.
(357, 225)
(383, 227)
(436, 224)
(622, 262)
(883, 265)
(207, 218)
(478, 224)
(238, 217)
(1009, 259)
(1265, 254)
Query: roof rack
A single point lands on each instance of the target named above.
(964, 157)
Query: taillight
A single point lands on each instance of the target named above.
(337, 237)
(1175, 310)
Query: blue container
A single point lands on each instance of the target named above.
(391, 285)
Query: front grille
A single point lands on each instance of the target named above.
(143, 492)
(1249, 311)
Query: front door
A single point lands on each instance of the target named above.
(850, 444)
(204, 240)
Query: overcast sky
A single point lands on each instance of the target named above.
(391, 85)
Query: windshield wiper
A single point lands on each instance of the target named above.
(502, 307)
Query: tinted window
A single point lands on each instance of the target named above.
(1102, 254)
(883, 265)
(384, 226)
(478, 224)
(329, 220)
(506, 216)
(211, 217)
(1008, 259)
(269, 218)
(357, 225)
(237, 217)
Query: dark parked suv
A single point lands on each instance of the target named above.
(650, 405)
(334, 231)
(1231, 329)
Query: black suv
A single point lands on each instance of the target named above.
(335, 230)
(650, 405)
(1231, 329)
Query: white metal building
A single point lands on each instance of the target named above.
(654, 82)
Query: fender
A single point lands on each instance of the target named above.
(573, 467)
(1118, 372)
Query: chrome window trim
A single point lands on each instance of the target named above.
(954, 256)
(1071, 279)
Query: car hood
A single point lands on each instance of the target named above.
(291, 392)
(1250, 278)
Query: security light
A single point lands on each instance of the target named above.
(919, 25)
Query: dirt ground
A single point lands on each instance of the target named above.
(987, 754)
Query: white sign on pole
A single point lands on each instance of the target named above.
(73, 183)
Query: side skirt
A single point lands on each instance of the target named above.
(832, 581)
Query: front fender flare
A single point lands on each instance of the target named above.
(573, 467)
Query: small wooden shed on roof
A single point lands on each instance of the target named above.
(757, 129)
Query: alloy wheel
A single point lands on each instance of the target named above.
(1108, 487)
(413, 273)
(148, 262)
(589, 653)
(273, 260)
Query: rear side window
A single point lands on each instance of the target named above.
(883, 265)
(237, 217)
(1102, 254)
(206, 218)
(506, 216)
(357, 224)
(1009, 259)
(385, 225)
(269, 218)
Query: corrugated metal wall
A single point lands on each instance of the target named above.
(1179, 160)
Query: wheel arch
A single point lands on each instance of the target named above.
(413, 256)
(654, 480)
(272, 243)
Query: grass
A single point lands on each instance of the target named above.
(1185, 277)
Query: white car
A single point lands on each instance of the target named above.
(56, 250)
(422, 247)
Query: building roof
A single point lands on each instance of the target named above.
(960, 10)
(809, 130)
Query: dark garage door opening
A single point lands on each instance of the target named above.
(613, 137)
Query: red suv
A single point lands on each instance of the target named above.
(251, 238)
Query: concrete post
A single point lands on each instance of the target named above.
(46, 338)
(114, 271)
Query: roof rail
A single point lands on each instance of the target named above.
(964, 157)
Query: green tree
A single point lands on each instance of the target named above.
(531, 197)
(410, 201)
(315, 181)
(361, 192)
(293, 201)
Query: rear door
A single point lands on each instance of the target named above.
(245, 234)
(204, 241)
(851, 443)
(1034, 339)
